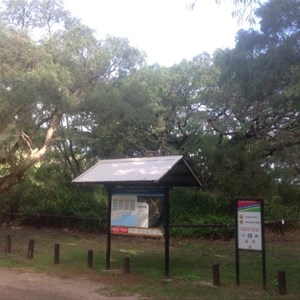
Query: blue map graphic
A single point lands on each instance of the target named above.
(126, 220)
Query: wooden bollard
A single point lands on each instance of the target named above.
(90, 259)
(56, 254)
(216, 274)
(38, 222)
(227, 233)
(282, 229)
(126, 265)
(281, 283)
(30, 249)
(8, 244)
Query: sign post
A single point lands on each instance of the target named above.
(250, 232)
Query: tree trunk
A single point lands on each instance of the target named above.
(16, 175)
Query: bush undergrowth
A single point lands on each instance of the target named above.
(188, 206)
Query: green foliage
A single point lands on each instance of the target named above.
(282, 206)
(47, 193)
(196, 207)
(209, 231)
(69, 201)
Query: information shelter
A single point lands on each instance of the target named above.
(138, 190)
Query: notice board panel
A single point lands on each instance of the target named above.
(137, 210)
(249, 224)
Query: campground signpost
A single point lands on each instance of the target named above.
(249, 225)
(250, 232)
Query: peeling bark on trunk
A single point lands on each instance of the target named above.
(16, 175)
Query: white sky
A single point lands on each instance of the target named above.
(165, 29)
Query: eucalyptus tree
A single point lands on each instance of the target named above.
(33, 91)
(154, 111)
(32, 14)
(45, 89)
(99, 69)
(245, 9)
(255, 111)
(164, 106)
(178, 106)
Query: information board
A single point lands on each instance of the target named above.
(250, 232)
(137, 210)
(249, 225)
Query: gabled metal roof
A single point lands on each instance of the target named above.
(162, 170)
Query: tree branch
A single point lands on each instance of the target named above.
(16, 175)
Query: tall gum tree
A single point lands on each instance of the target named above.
(32, 14)
(255, 109)
(99, 70)
(45, 85)
(32, 96)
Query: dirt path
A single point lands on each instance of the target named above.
(16, 285)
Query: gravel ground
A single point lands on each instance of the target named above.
(20, 285)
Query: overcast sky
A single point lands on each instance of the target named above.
(165, 29)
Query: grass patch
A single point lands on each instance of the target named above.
(190, 264)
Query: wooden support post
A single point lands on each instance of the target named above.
(30, 249)
(263, 253)
(216, 274)
(90, 259)
(126, 265)
(56, 254)
(167, 232)
(8, 244)
(281, 283)
(282, 229)
(38, 222)
(108, 233)
(227, 233)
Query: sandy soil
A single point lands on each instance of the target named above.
(16, 285)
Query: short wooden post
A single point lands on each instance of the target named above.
(227, 233)
(126, 265)
(30, 249)
(8, 244)
(281, 283)
(282, 225)
(56, 254)
(38, 222)
(90, 259)
(216, 274)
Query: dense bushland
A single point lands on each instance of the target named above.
(187, 206)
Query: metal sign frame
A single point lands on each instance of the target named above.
(249, 232)
(166, 214)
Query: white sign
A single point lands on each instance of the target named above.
(249, 223)
(128, 211)
(137, 210)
